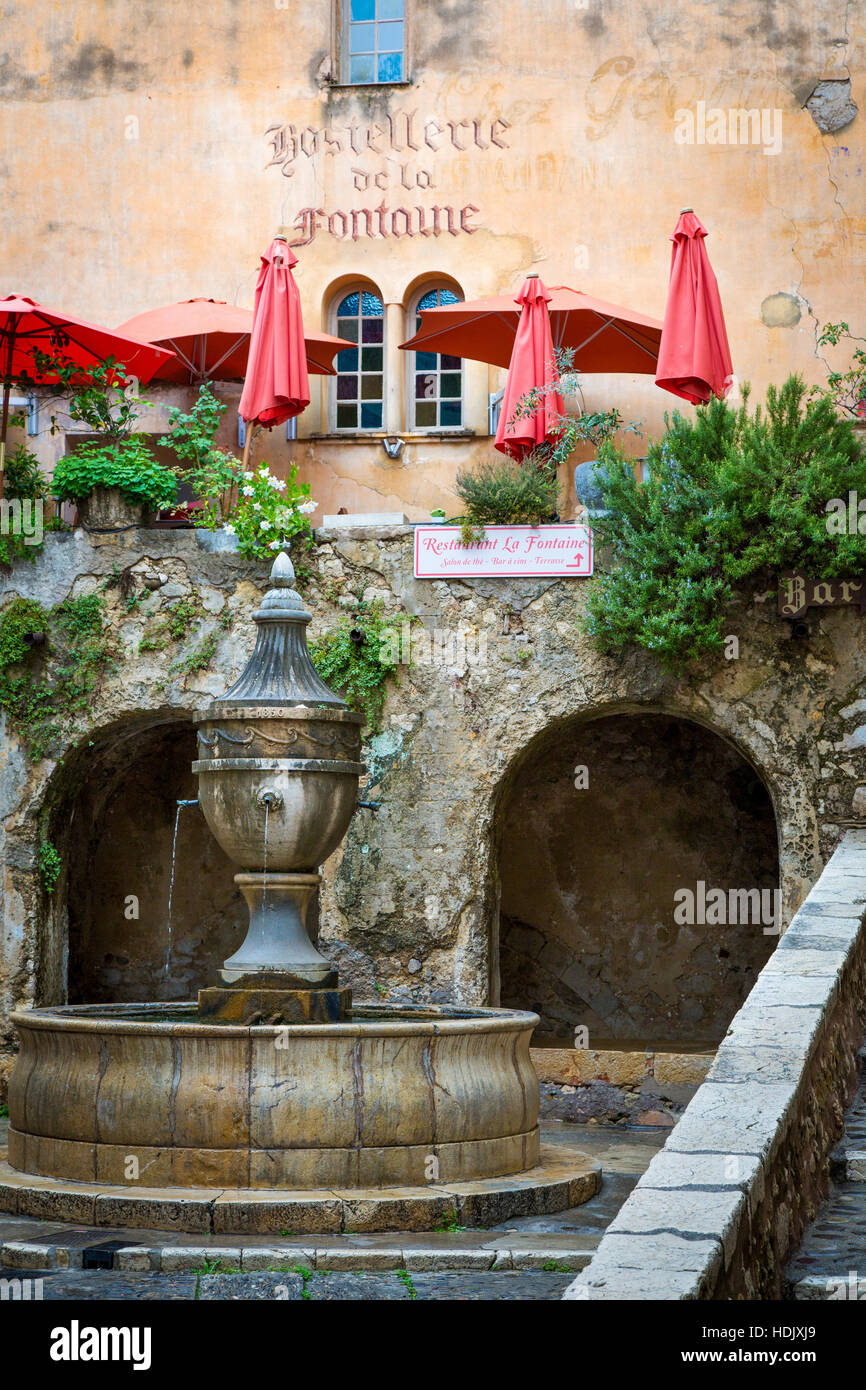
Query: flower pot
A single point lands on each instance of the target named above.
(107, 509)
(216, 540)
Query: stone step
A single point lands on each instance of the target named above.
(28, 1246)
(848, 1160)
(832, 1258)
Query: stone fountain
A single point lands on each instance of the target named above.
(278, 785)
(273, 1085)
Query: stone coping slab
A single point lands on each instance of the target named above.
(720, 1208)
(564, 1178)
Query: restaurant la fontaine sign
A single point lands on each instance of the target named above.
(506, 552)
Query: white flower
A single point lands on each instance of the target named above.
(257, 506)
(249, 477)
(264, 471)
(248, 492)
(264, 526)
(307, 507)
(274, 545)
(228, 527)
(277, 483)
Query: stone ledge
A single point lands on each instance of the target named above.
(721, 1207)
(332, 534)
(564, 1178)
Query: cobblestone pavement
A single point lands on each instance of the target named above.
(831, 1261)
(525, 1258)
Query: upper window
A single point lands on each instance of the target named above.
(360, 383)
(437, 379)
(374, 41)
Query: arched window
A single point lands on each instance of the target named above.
(360, 382)
(436, 380)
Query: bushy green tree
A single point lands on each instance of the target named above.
(731, 496)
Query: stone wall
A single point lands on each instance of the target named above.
(723, 1206)
(411, 900)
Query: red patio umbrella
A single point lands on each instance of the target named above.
(27, 327)
(276, 386)
(211, 341)
(694, 357)
(532, 366)
(605, 337)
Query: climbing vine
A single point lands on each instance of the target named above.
(357, 658)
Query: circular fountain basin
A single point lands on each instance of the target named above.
(130, 1094)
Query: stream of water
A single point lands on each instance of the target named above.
(180, 806)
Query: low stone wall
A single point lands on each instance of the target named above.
(725, 1202)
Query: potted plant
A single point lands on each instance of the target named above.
(437, 516)
(116, 484)
(214, 475)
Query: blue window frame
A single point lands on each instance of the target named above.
(374, 41)
(437, 379)
(360, 381)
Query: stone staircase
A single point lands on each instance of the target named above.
(831, 1261)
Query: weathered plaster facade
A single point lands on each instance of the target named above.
(411, 901)
(150, 153)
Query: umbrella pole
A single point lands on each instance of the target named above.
(4, 423)
(248, 439)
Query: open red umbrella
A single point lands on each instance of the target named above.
(532, 366)
(276, 386)
(27, 328)
(694, 357)
(604, 337)
(211, 341)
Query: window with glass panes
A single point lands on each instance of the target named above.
(437, 377)
(376, 40)
(360, 370)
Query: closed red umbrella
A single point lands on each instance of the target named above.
(276, 385)
(532, 367)
(27, 328)
(694, 357)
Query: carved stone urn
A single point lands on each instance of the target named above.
(278, 777)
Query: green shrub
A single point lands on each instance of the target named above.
(503, 492)
(731, 497)
(23, 479)
(127, 464)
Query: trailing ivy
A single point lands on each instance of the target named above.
(731, 497)
(357, 657)
(50, 664)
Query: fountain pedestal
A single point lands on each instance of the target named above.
(278, 816)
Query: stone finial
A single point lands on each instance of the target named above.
(282, 571)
